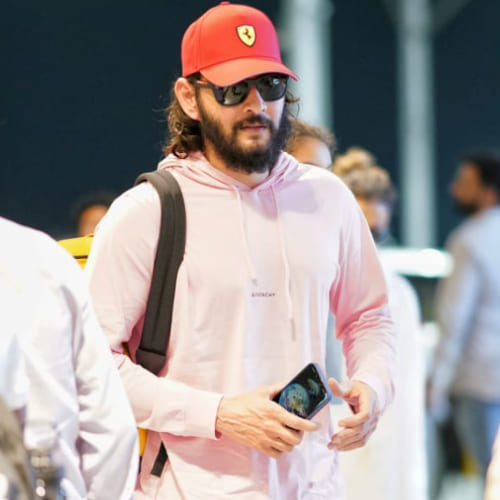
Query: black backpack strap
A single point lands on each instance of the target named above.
(160, 461)
(151, 353)
(152, 350)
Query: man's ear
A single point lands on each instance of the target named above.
(185, 93)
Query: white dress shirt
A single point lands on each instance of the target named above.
(14, 383)
(73, 383)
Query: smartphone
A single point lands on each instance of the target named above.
(306, 393)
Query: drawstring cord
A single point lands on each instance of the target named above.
(284, 256)
(250, 267)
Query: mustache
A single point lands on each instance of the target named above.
(254, 120)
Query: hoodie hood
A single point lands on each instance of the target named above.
(197, 168)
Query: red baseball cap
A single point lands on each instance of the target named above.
(232, 42)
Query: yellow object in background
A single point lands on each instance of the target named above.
(469, 466)
(79, 248)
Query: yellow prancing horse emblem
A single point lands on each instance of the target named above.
(246, 34)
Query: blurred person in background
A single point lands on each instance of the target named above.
(68, 394)
(466, 368)
(89, 210)
(372, 188)
(392, 465)
(311, 144)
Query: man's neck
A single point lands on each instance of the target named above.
(250, 179)
(488, 200)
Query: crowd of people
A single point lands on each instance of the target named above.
(281, 268)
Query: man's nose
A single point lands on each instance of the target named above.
(254, 101)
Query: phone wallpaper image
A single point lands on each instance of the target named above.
(299, 399)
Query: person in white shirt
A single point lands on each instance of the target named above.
(72, 384)
(467, 361)
(392, 465)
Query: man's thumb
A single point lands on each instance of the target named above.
(338, 390)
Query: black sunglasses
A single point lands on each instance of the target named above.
(270, 87)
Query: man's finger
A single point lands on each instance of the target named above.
(288, 419)
(280, 445)
(351, 446)
(273, 452)
(336, 388)
(355, 420)
(290, 436)
(350, 439)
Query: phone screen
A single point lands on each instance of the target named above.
(306, 393)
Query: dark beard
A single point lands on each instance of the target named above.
(465, 208)
(259, 160)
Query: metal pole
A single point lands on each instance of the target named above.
(305, 37)
(416, 122)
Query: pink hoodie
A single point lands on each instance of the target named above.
(261, 268)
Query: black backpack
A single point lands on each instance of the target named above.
(151, 353)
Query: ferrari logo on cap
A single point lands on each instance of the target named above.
(246, 34)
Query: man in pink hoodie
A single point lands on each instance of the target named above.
(271, 246)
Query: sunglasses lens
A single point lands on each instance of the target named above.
(271, 87)
(235, 94)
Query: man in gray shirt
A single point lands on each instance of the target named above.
(467, 362)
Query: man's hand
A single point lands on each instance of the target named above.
(358, 428)
(254, 420)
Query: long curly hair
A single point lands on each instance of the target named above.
(185, 135)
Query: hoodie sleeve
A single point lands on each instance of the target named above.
(119, 270)
(358, 298)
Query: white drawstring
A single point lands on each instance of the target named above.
(288, 284)
(250, 267)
